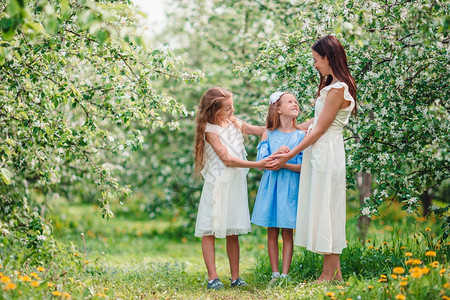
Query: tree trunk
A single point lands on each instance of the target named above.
(426, 198)
(364, 181)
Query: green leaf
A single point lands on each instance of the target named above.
(6, 175)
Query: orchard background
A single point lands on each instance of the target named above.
(96, 120)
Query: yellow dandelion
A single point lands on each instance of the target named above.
(76, 254)
(86, 262)
(35, 284)
(408, 254)
(9, 286)
(56, 293)
(369, 240)
(416, 275)
(329, 294)
(403, 283)
(348, 298)
(24, 278)
(105, 289)
(398, 270)
(394, 276)
(1, 274)
(34, 275)
(445, 297)
(441, 272)
(5, 279)
(430, 253)
(402, 247)
(184, 240)
(342, 293)
(425, 270)
(41, 269)
(100, 295)
(340, 287)
(49, 284)
(446, 285)
(383, 276)
(347, 283)
(384, 243)
(403, 278)
(400, 297)
(434, 264)
(416, 262)
(382, 280)
(428, 229)
(66, 295)
(370, 287)
(370, 247)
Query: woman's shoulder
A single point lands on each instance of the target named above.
(338, 88)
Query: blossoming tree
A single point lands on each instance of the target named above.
(76, 78)
(398, 54)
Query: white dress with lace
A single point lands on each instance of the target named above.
(322, 195)
(223, 208)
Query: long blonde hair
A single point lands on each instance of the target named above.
(210, 104)
(273, 117)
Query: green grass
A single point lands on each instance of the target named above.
(131, 256)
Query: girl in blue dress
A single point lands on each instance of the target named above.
(276, 201)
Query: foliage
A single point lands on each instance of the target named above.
(76, 80)
(397, 53)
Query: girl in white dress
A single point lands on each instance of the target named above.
(220, 155)
(321, 198)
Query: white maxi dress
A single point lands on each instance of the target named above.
(322, 191)
(223, 208)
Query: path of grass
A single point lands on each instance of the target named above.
(134, 257)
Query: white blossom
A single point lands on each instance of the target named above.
(366, 211)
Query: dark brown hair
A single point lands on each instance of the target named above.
(330, 47)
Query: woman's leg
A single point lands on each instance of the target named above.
(233, 255)
(209, 255)
(288, 248)
(272, 245)
(331, 268)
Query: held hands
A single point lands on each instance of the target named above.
(282, 149)
(278, 159)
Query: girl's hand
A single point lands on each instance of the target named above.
(262, 163)
(282, 149)
(278, 162)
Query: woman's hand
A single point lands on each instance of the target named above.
(278, 161)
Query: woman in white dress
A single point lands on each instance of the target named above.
(321, 197)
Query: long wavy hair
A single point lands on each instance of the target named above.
(273, 117)
(208, 108)
(330, 47)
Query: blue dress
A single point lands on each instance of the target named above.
(276, 201)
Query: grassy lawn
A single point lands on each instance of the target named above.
(132, 256)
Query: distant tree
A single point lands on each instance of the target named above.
(76, 79)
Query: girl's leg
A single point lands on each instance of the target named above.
(233, 255)
(209, 255)
(272, 245)
(331, 268)
(288, 248)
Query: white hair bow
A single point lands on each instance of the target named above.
(275, 97)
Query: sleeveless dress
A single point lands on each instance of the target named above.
(276, 201)
(223, 208)
(322, 195)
